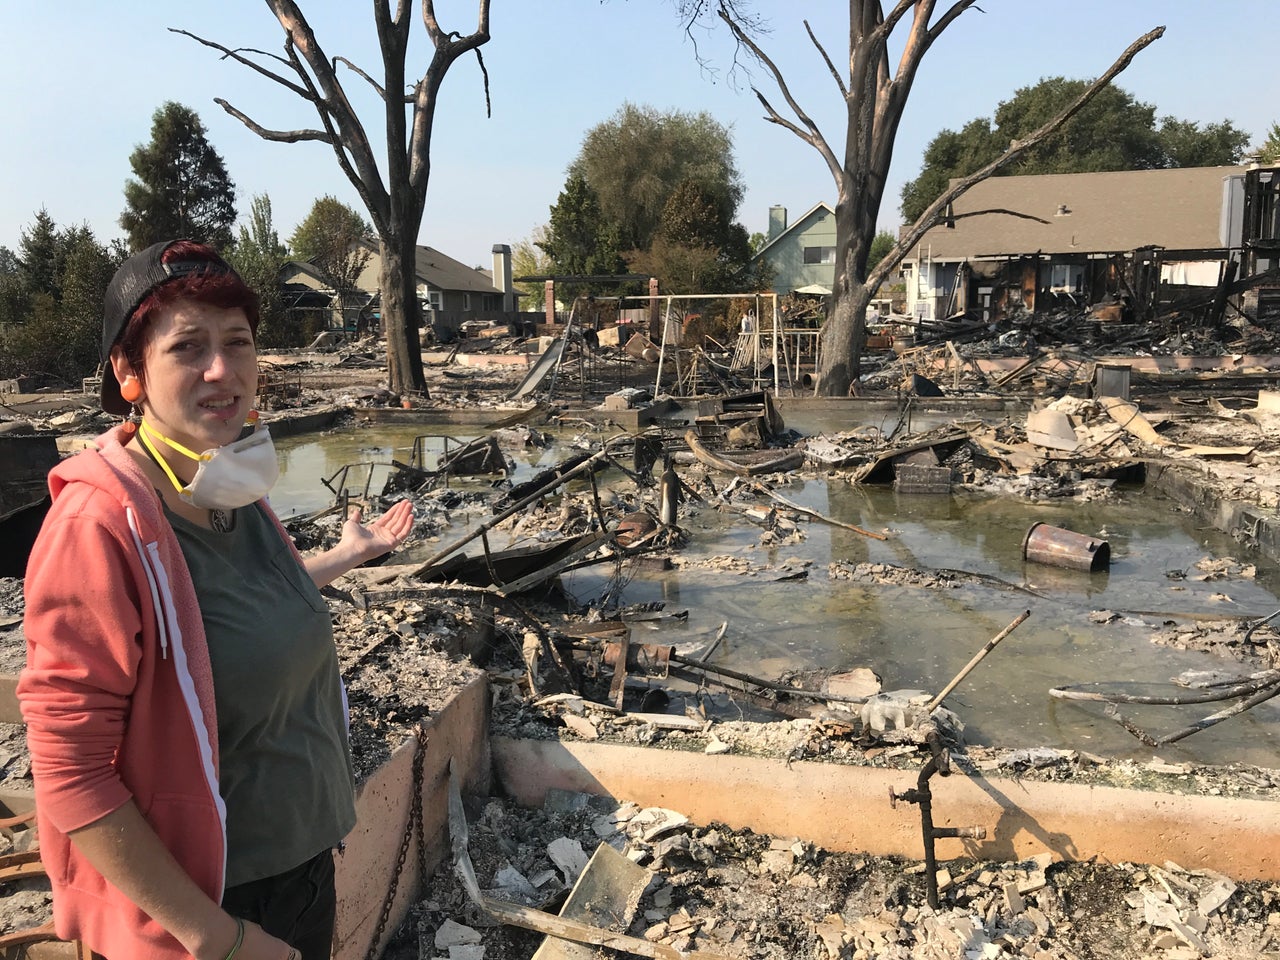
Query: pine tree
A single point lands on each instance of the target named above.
(182, 188)
(257, 257)
(38, 256)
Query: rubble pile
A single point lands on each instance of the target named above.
(733, 893)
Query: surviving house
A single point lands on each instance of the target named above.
(1138, 239)
(802, 255)
(451, 293)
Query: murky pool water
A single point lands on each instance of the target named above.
(919, 638)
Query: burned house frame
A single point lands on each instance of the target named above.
(1127, 246)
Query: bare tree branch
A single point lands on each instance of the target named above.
(484, 71)
(814, 136)
(945, 20)
(775, 117)
(360, 73)
(337, 114)
(889, 23)
(257, 68)
(844, 91)
(998, 210)
(341, 149)
(933, 214)
(279, 136)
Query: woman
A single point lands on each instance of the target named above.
(182, 698)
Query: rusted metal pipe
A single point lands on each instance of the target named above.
(939, 762)
(977, 659)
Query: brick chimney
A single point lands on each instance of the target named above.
(502, 276)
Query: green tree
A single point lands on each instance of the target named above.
(87, 268)
(332, 237)
(883, 242)
(636, 159)
(680, 267)
(1113, 131)
(696, 249)
(257, 256)
(579, 240)
(1185, 143)
(329, 237)
(528, 259)
(39, 256)
(58, 332)
(182, 188)
(14, 300)
(1269, 152)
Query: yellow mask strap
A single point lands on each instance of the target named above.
(145, 433)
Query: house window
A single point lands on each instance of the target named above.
(1066, 278)
(489, 302)
(466, 301)
(435, 299)
(819, 254)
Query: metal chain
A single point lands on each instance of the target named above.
(411, 829)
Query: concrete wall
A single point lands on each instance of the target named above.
(365, 870)
(847, 808)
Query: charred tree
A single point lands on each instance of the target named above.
(396, 206)
(874, 99)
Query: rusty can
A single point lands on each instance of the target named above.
(1064, 548)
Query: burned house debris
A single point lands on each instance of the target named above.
(1124, 247)
(560, 585)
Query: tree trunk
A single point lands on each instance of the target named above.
(401, 314)
(842, 337)
(843, 332)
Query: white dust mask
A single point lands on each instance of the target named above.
(227, 477)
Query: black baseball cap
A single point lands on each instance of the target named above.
(133, 283)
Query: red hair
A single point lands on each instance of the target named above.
(219, 287)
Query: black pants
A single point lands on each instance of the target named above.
(298, 906)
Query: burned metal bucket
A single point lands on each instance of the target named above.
(1063, 548)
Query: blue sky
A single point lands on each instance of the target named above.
(81, 79)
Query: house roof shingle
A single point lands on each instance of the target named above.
(442, 272)
(1177, 209)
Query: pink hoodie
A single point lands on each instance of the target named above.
(117, 694)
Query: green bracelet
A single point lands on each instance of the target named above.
(235, 947)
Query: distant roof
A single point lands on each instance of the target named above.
(445, 273)
(442, 271)
(293, 267)
(1177, 209)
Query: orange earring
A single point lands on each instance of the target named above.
(131, 390)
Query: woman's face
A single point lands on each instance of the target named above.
(200, 374)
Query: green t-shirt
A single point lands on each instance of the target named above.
(285, 762)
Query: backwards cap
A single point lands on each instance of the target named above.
(133, 283)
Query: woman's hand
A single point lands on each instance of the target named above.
(361, 542)
(372, 540)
